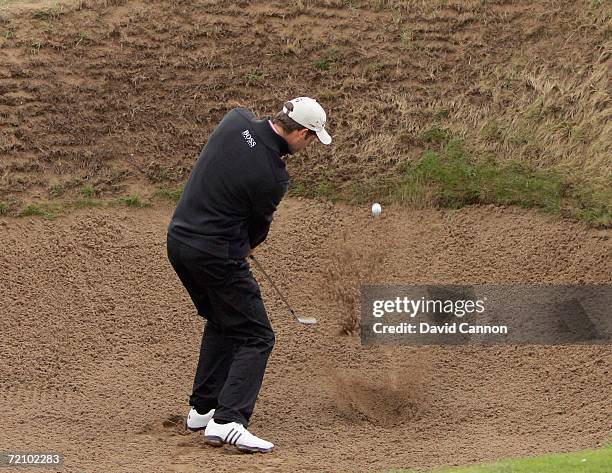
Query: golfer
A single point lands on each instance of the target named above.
(224, 213)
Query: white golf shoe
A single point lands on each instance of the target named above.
(197, 421)
(235, 434)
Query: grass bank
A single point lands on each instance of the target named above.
(449, 176)
(589, 461)
(445, 177)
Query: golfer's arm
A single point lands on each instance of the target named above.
(258, 231)
(264, 206)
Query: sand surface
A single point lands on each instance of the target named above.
(100, 343)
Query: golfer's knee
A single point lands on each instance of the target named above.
(266, 342)
(269, 341)
(262, 342)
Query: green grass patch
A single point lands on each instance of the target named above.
(134, 201)
(36, 46)
(253, 76)
(593, 205)
(299, 189)
(41, 209)
(88, 191)
(88, 203)
(327, 59)
(589, 461)
(454, 182)
(326, 189)
(172, 195)
(3, 208)
(56, 190)
(435, 135)
(83, 37)
(449, 179)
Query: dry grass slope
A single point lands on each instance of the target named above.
(120, 95)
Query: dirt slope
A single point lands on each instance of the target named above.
(120, 95)
(100, 343)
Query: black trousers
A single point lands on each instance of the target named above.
(237, 338)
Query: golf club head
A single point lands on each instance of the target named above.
(306, 320)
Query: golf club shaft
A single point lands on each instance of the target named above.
(260, 268)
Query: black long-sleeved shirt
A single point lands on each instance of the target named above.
(234, 188)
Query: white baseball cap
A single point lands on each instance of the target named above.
(308, 113)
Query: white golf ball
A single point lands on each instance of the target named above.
(376, 209)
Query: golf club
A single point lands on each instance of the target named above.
(302, 320)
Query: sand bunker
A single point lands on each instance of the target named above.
(101, 341)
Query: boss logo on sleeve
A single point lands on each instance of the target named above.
(249, 139)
